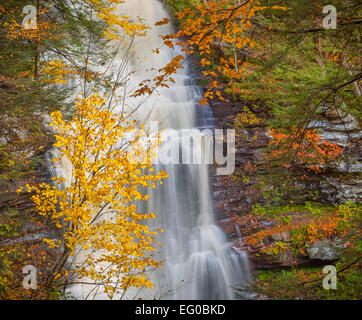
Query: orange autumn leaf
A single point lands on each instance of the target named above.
(160, 23)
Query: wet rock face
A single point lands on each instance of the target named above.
(318, 253)
(283, 236)
(339, 189)
(11, 130)
(322, 250)
(284, 259)
(233, 198)
(338, 127)
(234, 195)
(273, 249)
(342, 181)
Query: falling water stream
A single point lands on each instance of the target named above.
(200, 263)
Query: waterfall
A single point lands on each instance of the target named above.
(200, 263)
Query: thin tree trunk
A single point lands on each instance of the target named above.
(37, 41)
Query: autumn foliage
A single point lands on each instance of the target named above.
(105, 240)
(216, 24)
(296, 148)
(96, 210)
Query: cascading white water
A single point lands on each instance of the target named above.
(199, 261)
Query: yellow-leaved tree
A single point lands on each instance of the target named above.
(105, 241)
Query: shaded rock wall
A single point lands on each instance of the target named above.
(234, 197)
(342, 180)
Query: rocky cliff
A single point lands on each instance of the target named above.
(234, 195)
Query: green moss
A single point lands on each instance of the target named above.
(306, 283)
(284, 211)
